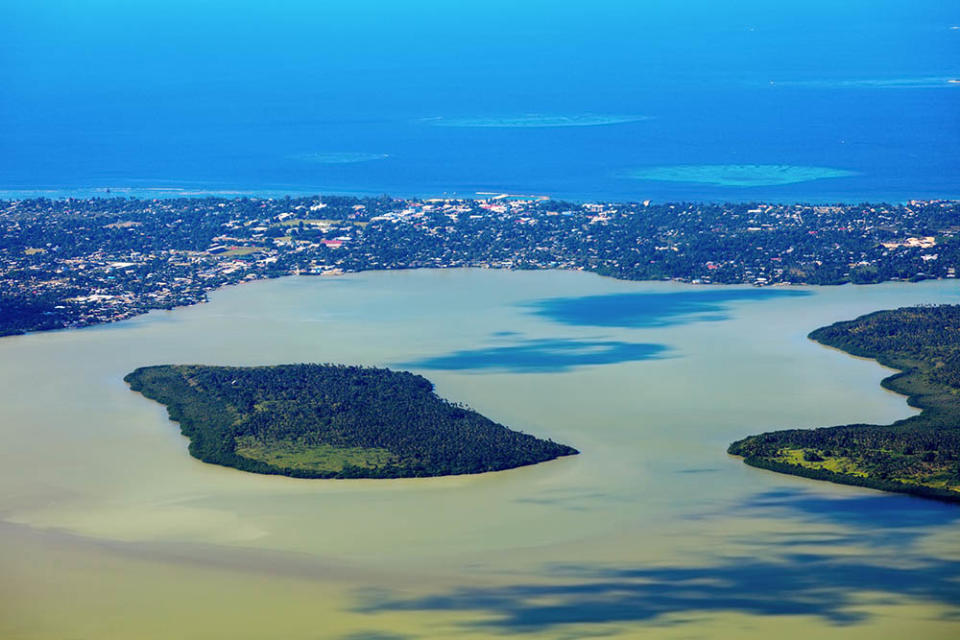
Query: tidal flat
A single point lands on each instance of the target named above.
(109, 529)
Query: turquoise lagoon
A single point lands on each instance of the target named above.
(739, 175)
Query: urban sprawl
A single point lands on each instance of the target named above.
(73, 262)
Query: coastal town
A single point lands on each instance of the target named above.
(76, 262)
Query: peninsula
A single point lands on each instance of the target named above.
(919, 455)
(333, 421)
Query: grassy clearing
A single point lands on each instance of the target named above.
(241, 251)
(912, 471)
(333, 421)
(837, 464)
(318, 222)
(288, 454)
(920, 454)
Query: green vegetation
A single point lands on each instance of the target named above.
(299, 454)
(918, 455)
(316, 222)
(104, 260)
(240, 251)
(332, 421)
(311, 222)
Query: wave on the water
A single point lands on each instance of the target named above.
(923, 82)
(127, 192)
(739, 175)
(526, 121)
(339, 157)
(151, 192)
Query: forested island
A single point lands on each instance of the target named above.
(333, 421)
(76, 262)
(919, 455)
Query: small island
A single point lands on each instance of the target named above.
(919, 455)
(333, 421)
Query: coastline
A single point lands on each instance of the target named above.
(80, 262)
(478, 191)
(731, 285)
(906, 381)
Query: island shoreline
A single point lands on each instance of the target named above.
(931, 417)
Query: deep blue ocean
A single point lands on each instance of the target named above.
(809, 100)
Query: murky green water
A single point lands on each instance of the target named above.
(110, 530)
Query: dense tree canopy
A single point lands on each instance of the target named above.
(325, 421)
(919, 455)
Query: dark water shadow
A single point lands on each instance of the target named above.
(877, 519)
(873, 511)
(652, 309)
(828, 587)
(542, 356)
(377, 635)
(866, 556)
